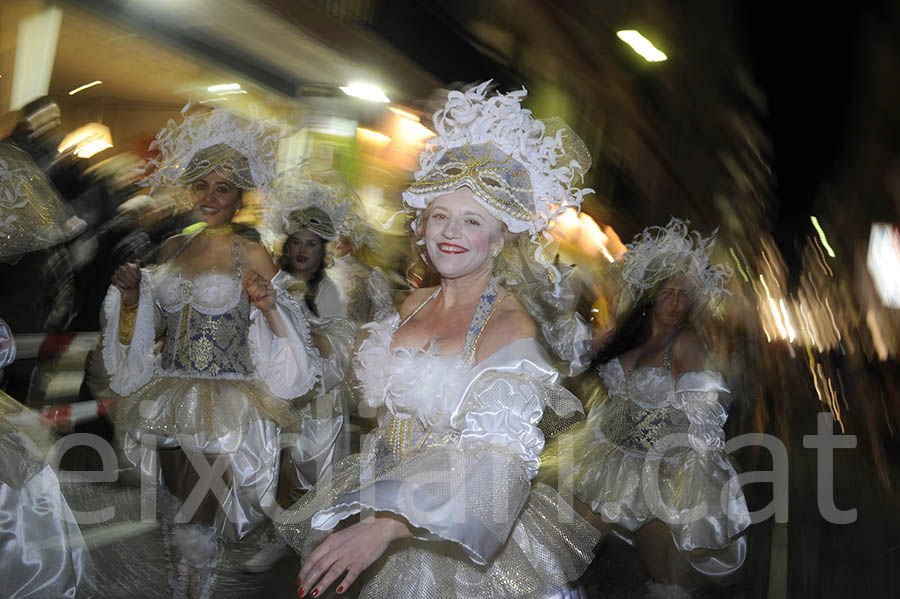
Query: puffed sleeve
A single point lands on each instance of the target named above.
(130, 366)
(697, 394)
(505, 411)
(289, 366)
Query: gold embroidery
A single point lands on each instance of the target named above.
(127, 320)
(491, 173)
(184, 341)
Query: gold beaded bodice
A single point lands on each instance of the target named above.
(207, 321)
(643, 410)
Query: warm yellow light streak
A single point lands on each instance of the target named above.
(792, 334)
(379, 139)
(820, 254)
(834, 325)
(827, 247)
(739, 265)
(224, 87)
(404, 113)
(641, 45)
(85, 86)
(763, 279)
(365, 91)
(810, 328)
(87, 140)
(773, 308)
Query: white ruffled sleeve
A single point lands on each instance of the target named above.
(469, 492)
(506, 410)
(697, 394)
(131, 366)
(288, 366)
(506, 400)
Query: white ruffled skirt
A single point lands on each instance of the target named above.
(236, 419)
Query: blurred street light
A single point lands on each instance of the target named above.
(224, 87)
(641, 45)
(365, 91)
(87, 140)
(85, 86)
(883, 262)
(822, 237)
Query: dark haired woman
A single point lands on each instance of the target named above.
(649, 461)
(210, 406)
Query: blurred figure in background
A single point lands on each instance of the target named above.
(42, 552)
(662, 414)
(35, 265)
(311, 217)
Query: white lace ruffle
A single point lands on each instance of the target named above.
(288, 366)
(131, 366)
(208, 293)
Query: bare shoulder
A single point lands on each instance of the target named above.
(688, 352)
(414, 300)
(170, 246)
(509, 323)
(257, 258)
(512, 318)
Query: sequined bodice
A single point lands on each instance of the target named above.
(207, 321)
(643, 406)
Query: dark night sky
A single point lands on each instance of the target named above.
(804, 62)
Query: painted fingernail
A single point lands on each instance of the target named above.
(299, 582)
(301, 592)
(314, 593)
(340, 589)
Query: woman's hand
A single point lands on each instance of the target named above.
(351, 550)
(127, 279)
(260, 291)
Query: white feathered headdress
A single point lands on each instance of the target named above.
(243, 151)
(658, 253)
(520, 168)
(322, 202)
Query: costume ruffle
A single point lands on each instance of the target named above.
(631, 490)
(454, 454)
(207, 408)
(527, 540)
(43, 553)
(654, 450)
(318, 433)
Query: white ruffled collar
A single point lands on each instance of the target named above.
(430, 386)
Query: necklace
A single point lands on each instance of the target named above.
(202, 228)
(216, 231)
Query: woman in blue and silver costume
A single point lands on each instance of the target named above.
(649, 460)
(236, 349)
(440, 503)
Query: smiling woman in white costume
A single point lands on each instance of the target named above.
(440, 503)
(236, 349)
